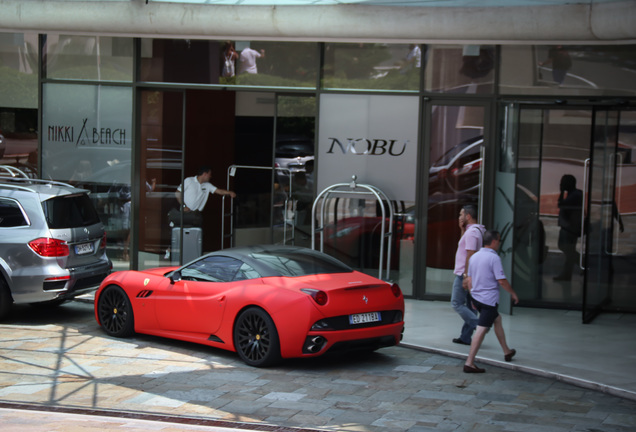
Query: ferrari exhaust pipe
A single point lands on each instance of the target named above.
(314, 344)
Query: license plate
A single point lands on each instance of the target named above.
(364, 318)
(84, 248)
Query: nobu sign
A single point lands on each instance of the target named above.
(367, 146)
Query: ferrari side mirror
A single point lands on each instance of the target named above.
(175, 276)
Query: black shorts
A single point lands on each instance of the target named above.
(487, 314)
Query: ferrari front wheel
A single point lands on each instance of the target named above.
(115, 312)
(256, 339)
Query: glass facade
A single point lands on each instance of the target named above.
(94, 58)
(231, 63)
(454, 180)
(466, 70)
(372, 66)
(568, 70)
(19, 101)
(279, 122)
(87, 142)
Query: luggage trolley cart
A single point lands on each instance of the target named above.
(288, 205)
(354, 189)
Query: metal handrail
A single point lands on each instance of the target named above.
(616, 161)
(353, 188)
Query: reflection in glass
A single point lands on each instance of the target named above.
(552, 145)
(258, 63)
(620, 239)
(561, 249)
(468, 69)
(99, 58)
(294, 169)
(454, 181)
(19, 70)
(160, 171)
(568, 70)
(372, 66)
(19, 101)
(87, 142)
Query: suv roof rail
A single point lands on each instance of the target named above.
(12, 175)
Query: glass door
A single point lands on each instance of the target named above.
(609, 251)
(294, 179)
(457, 149)
(161, 164)
(572, 171)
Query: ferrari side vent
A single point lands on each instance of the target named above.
(144, 294)
(215, 338)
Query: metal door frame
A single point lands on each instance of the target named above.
(231, 173)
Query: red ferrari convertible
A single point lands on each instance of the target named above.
(264, 302)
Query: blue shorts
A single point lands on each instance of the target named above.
(487, 314)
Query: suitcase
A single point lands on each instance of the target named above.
(192, 243)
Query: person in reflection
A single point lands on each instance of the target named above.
(229, 60)
(413, 59)
(194, 195)
(485, 275)
(469, 243)
(561, 63)
(248, 60)
(570, 208)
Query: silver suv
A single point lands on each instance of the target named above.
(52, 243)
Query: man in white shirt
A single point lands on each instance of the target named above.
(196, 190)
(485, 275)
(248, 60)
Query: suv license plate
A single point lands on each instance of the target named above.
(364, 318)
(84, 248)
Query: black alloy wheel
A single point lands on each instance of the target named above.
(115, 312)
(256, 338)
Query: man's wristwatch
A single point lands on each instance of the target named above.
(464, 275)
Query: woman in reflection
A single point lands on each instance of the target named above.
(570, 207)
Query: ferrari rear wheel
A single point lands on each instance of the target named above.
(256, 338)
(115, 312)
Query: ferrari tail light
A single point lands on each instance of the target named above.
(395, 289)
(49, 247)
(471, 166)
(319, 297)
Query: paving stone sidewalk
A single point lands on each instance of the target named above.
(72, 364)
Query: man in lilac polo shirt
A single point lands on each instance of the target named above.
(485, 275)
(469, 243)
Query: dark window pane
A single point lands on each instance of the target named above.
(11, 215)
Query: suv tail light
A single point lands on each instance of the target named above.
(49, 247)
(102, 244)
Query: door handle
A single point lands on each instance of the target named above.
(586, 168)
(616, 160)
